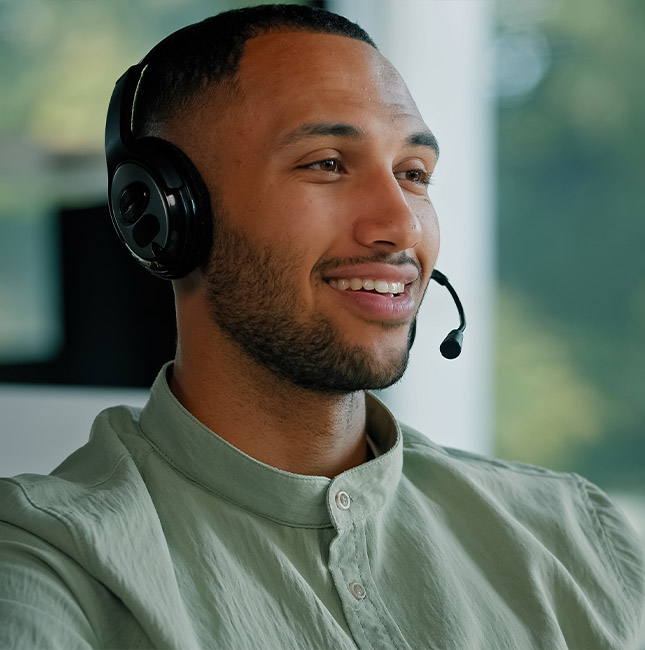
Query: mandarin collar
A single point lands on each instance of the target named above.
(292, 499)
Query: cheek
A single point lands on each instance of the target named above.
(299, 230)
(298, 220)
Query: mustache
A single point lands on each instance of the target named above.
(378, 257)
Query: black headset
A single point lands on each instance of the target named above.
(159, 203)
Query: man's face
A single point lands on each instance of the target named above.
(325, 237)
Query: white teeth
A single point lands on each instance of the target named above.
(356, 284)
(382, 286)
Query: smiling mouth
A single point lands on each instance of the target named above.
(383, 287)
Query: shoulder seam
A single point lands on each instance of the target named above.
(114, 468)
(491, 464)
(63, 519)
(601, 533)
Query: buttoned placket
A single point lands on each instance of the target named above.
(368, 619)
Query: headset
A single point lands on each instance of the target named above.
(160, 205)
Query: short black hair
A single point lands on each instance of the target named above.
(209, 52)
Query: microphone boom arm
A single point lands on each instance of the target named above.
(451, 345)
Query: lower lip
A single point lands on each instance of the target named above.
(378, 307)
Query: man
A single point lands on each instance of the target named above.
(262, 498)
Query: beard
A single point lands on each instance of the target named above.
(254, 300)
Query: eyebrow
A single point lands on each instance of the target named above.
(423, 139)
(315, 129)
(342, 130)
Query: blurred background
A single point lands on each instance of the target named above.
(539, 109)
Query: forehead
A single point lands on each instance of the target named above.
(300, 76)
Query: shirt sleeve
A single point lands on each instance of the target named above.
(38, 607)
(622, 548)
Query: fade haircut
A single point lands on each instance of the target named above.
(207, 53)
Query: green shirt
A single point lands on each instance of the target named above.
(158, 533)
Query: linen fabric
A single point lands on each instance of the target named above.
(159, 534)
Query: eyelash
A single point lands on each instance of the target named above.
(327, 160)
(424, 176)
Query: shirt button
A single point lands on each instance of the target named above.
(357, 590)
(343, 501)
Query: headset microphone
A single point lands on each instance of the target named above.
(451, 346)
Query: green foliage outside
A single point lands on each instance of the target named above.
(571, 209)
(59, 60)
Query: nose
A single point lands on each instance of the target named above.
(386, 217)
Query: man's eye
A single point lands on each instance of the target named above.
(330, 165)
(419, 176)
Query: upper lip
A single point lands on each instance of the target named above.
(405, 273)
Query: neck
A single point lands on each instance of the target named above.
(267, 417)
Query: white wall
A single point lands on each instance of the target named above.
(442, 49)
(41, 425)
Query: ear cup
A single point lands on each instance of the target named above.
(159, 203)
(160, 207)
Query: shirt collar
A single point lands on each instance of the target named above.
(292, 499)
